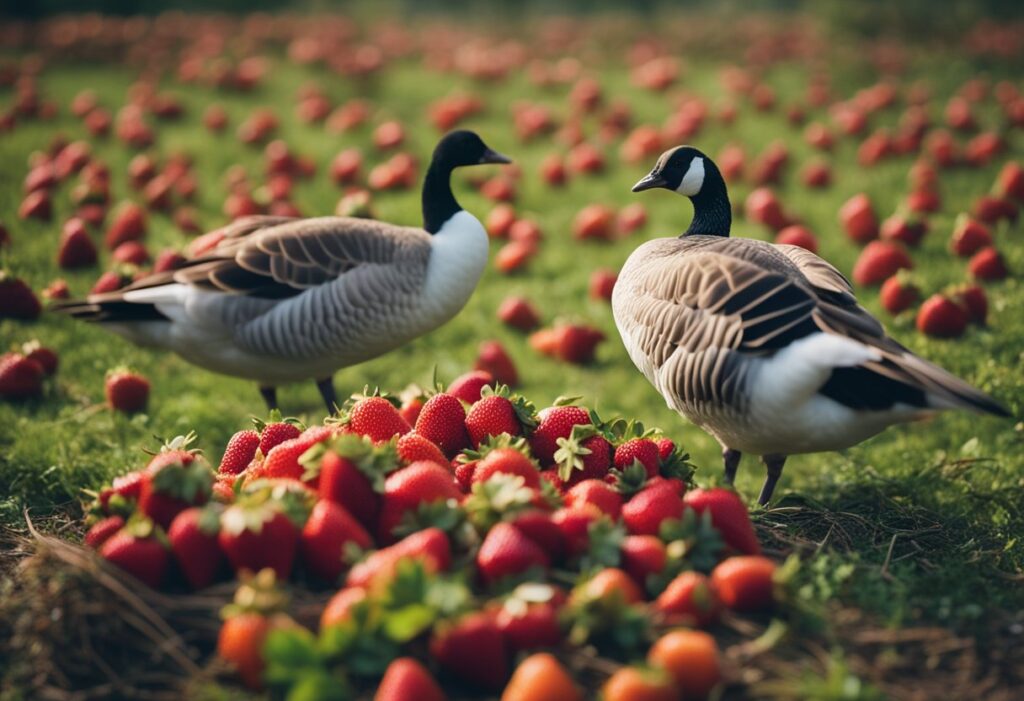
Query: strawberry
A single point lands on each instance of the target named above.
(239, 452)
(412, 447)
(924, 201)
(350, 472)
(607, 584)
(276, 432)
(339, 607)
(110, 281)
(602, 282)
(498, 412)
(640, 684)
(529, 617)
(585, 454)
(904, 229)
(76, 249)
(429, 546)
(643, 450)
(692, 659)
(538, 526)
(595, 221)
(898, 294)
(518, 313)
(666, 448)
(555, 422)
(46, 357)
(20, 377)
(689, 599)
(171, 487)
(376, 418)
(58, 289)
(494, 359)
(988, 264)
(506, 551)
(797, 235)
(509, 461)
(193, 538)
(1010, 181)
(405, 678)
(597, 493)
(991, 210)
(283, 459)
(878, 261)
(763, 207)
(167, 260)
(261, 530)
(729, 516)
(411, 408)
(36, 205)
(469, 386)
(513, 256)
(130, 252)
(472, 649)
(974, 300)
(255, 613)
(140, 550)
(101, 531)
(17, 300)
(442, 421)
(328, 531)
(858, 218)
(576, 343)
(941, 317)
(404, 490)
(969, 236)
(574, 523)
(650, 507)
(643, 556)
(126, 391)
(745, 583)
(129, 224)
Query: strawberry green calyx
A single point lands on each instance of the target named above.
(142, 527)
(191, 483)
(678, 465)
(692, 542)
(259, 593)
(444, 514)
(518, 601)
(261, 501)
(609, 623)
(631, 480)
(565, 400)
(569, 455)
(181, 443)
(492, 443)
(605, 545)
(276, 418)
(499, 498)
(209, 518)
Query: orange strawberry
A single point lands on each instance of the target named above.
(406, 679)
(745, 583)
(689, 599)
(691, 657)
(540, 677)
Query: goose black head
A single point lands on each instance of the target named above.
(691, 173)
(456, 149)
(465, 148)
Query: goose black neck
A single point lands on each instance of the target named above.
(439, 203)
(712, 213)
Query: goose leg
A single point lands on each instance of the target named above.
(731, 458)
(326, 387)
(774, 464)
(269, 395)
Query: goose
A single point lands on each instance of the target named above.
(761, 345)
(283, 300)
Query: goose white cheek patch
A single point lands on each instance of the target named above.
(693, 180)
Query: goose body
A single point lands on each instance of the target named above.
(764, 346)
(281, 300)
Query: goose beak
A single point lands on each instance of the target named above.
(649, 182)
(491, 156)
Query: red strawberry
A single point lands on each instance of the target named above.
(538, 526)
(577, 344)
(126, 391)
(584, 455)
(574, 523)
(283, 459)
(969, 236)
(102, 530)
(442, 421)
(468, 386)
(507, 551)
(595, 221)
(139, 550)
(58, 289)
(642, 556)
(46, 357)
(905, 230)
(36, 205)
(193, 538)
(988, 264)
(1010, 181)
(404, 679)
(171, 487)
(376, 418)
(729, 516)
(404, 490)
(941, 317)
(990, 210)
(798, 235)
(508, 461)
(324, 538)
(412, 447)
(597, 493)
(20, 377)
(429, 546)
(745, 583)
(472, 649)
(974, 300)
(642, 449)
(129, 225)
(256, 532)
(666, 447)
(763, 207)
(275, 433)
(497, 413)
(518, 313)
(127, 486)
(76, 249)
(652, 505)
(17, 300)
(494, 359)
(167, 260)
(350, 473)
(239, 452)
(528, 623)
(898, 294)
(602, 282)
(689, 599)
(110, 281)
(555, 422)
(411, 408)
(878, 261)
(858, 219)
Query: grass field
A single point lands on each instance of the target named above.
(921, 524)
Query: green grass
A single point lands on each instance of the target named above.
(939, 528)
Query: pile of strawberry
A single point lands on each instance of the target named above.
(463, 519)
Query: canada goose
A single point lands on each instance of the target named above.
(283, 299)
(764, 346)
